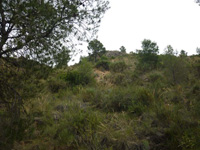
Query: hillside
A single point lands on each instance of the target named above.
(116, 103)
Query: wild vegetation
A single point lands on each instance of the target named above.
(117, 103)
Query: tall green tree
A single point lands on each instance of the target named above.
(38, 28)
(122, 49)
(96, 49)
(148, 56)
(169, 50)
(183, 53)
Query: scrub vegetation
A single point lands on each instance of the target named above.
(110, 100)
(118, 103)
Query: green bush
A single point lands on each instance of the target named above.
(82, 75)
(136, 108)
(54, 85)
(118, 66)
(77, 78)
(103, 64)
(156, 76)
(116, 100)
(93, 95)
(176, 69)
(119, 79)
(13, 129)
(131, 99)
(76, 129)
(143, 98)
(183, 135)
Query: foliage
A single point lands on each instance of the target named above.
(77, 128)
(128, 109)
(175, 69)
(118, 100)
(62, 58)
(183, 53)
(38, 29)
(119, 66)
(118, 79)
(55, 85)
(80, 76)
(20, 80)
(103, 64)
(169, 50)
(12, 129)
(77, 78)
(96, 49)
(148, 55)
(122, 49)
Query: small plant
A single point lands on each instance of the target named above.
(54, 85)
(103, 65)
(118, 79)
(79, 76)
(76, 78)
(156, 76)
(142, 99)
(77, 129)
(118, 66)
(122, 49)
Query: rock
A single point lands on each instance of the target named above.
(113, 53)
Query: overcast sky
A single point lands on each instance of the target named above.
(174, 22)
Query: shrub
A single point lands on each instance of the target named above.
(176, 69)
(12, 129)
(118, 66)
(157, 82)
(121, 79)
(79, 76)
(136, 108)
(182, 135)
(76, 129)
(54, 85)
(103, 64)
(144, 96)
(116, 99)
(142, 99)
(118, 79)
(92, 95)
(76, 78)
(156, 76)
(128, 99)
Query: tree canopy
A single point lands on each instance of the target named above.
(122, 49)
(96, 48)
(148, 54)
(38, 28)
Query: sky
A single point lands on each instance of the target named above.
(169, 22)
